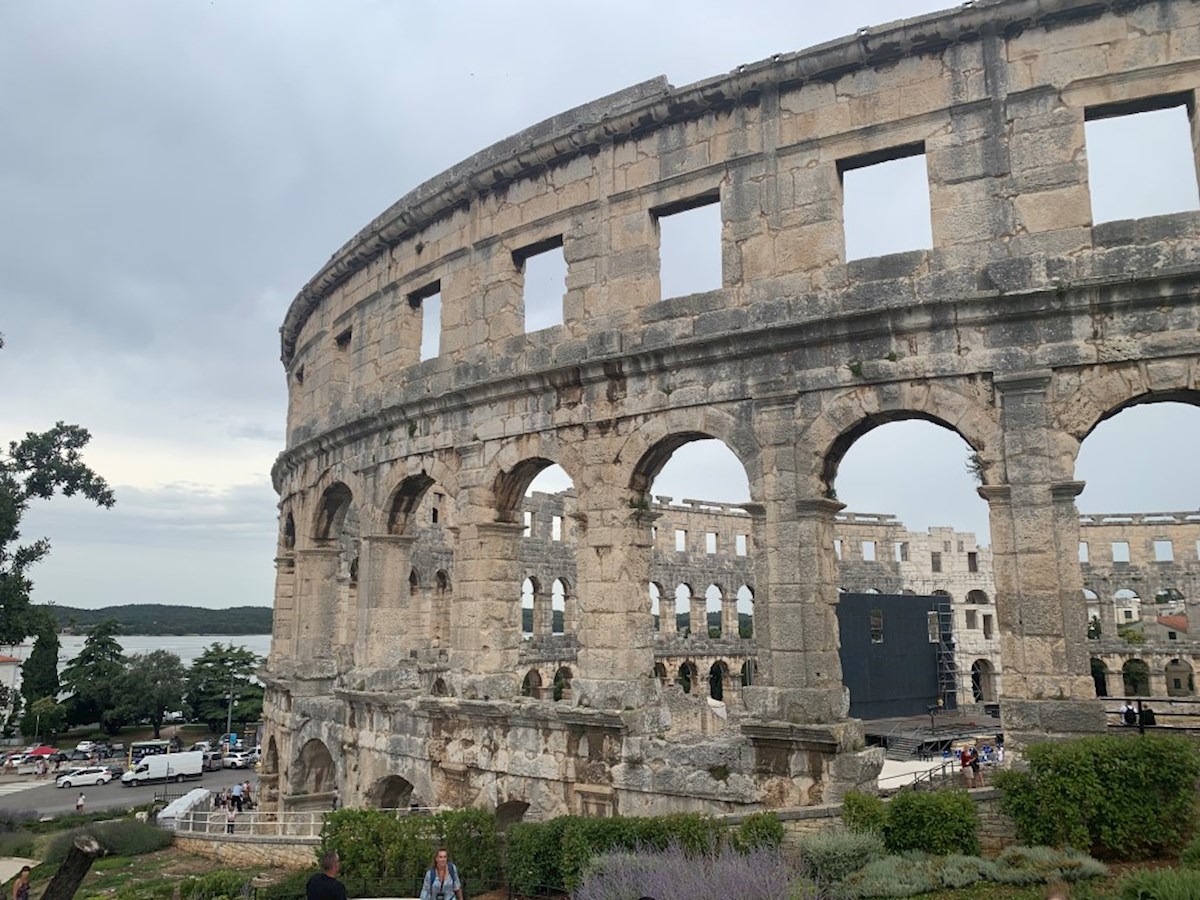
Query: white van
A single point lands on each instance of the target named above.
(166, 767)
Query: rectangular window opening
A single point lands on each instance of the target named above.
(932, 628)
(342, 341)
(545, 271)
(1083, 551)
(935, 561)
(680, 541)
(987, 627)
(902, 551)
(972, 561)
(689, 245)
(885, 202)
(556, 528)
(429, 301)
(1164, 551)
(1140, 158)
(877, 626)
(739, 542)
(868, 551)
(837, 549)
(972, 620)
(528, 524)
(1120, 551)
(710, 543)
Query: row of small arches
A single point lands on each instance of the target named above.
(1135, 678)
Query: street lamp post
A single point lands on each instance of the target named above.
(229, 717)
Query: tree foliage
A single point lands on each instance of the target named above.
(155, 683)
(214, 673)
(95, 679)
(36, 468)
(39, 673)
(159, 618)
(45, 718)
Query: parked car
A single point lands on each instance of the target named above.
(85, 776)
(238, 760)
(85, 746)
(116, 770)
(213, 760)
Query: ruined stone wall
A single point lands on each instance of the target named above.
(1161, 561)
(1023, 325)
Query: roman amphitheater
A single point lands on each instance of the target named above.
(441, 636)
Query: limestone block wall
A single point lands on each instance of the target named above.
(1023, 325)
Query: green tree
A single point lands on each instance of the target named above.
(39, 673)
(214, 673)
(35, 469)
(45, 718)
(95, 679)
(154, 685)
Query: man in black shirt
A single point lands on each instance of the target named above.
(324, 885)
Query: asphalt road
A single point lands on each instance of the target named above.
(49, 800)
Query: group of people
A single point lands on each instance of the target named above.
(971, 766)
(1130, 715)
(237, 798)
(441, 882)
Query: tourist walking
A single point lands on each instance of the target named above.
(236, 796)
(442, 881)
(965, 759)
(20, 889)
(230, 819)
(324, 885)
(79, 802)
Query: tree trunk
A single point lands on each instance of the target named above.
(71, 873)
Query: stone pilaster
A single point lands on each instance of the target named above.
(486, 619)
(729, 616)
(543, 614)
(283, 620)
(666, 614)
(316, 606)
(1039, 586)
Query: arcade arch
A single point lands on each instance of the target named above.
(314, 771)
(391, 792)
(1136, 677)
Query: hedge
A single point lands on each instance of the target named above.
(1118, 797)
(938, 822)
(379, 847)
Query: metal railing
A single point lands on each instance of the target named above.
(1167, 714)
(260, 823)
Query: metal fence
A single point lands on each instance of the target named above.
(306, 824)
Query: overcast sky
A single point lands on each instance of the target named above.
(172, 173)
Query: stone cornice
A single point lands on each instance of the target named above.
(645, 107)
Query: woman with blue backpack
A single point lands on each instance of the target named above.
(442, 881)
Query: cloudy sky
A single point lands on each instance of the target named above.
(172, 173)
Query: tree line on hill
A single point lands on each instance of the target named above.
(158, 618)
(103, 685)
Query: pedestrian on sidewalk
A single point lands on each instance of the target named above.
(79, 802)
(230, 819)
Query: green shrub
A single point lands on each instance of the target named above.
(864, 812)
(832, 855)
(124, 837)
(1189, 858)
(218, 885)
(892, 876)
(383, 849)
(959, 871)
(16, 843)
(1159, 884)
(1119, 797)
(532, 856)
(939, 822)
(759, 831)
(1041, 865)
(289, 888)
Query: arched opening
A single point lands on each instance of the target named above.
(687, 677)
(391, 792)
(977, 596)
(405, 501)
(656, 605)
(509, 813)
(531, 685)
(1128, 607)
(354, 572)
(414, 582)
(690, 464)
(442, 581)
(314, 771)
(718, 674)
(747, 673)
(983, 688)
(439, 688)
(714, 606)
(1180, 681)
(562, 684)
(745, 610)
(331, 512)
(1136, 676)
(289, 532)
(683, 609)
(660, 672)
(923, 530)
(336, 526)
(558, 606)
(529, 591)
(1100, 677)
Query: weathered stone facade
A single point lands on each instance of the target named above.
(1022, 327)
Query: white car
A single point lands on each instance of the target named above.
(82, 777)
(238, 760)
(85, 746)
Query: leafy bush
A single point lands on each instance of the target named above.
(12, 819)
(1119, 797)
(864, 812)
(832, 855)
(759, 831)
(532, 856)
(941, 822)
(289, 888)
(1189, 858)
(892, 876)
(682, 875)
(124, 837)
(384, 850)
(218, 885)
(1159, 884)
(959, 871)
(1039, 865)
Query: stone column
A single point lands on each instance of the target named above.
(486, 618)
(729, 617)
(698, 617)
(389, 625)
(1115, 682)
(666, 614)
(316, 607)
(612, 558)
(1158, 683)
(283, 620)
(1035, 541)
(543, 615)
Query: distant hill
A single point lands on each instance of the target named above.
(158, 618)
